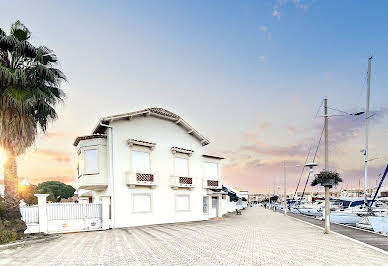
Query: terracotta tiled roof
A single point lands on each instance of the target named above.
(157, 112)
(93, 136)
(162, 111)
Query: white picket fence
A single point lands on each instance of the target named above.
(30, 214)
(65, 217)
(64, 211)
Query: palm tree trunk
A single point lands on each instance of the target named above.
(11, 197)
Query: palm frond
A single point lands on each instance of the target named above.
(29, 88)
(20, 31)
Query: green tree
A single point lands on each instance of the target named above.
(29, 93)
(57, 190)
(27, 194)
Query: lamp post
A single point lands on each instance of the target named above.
(285, 186)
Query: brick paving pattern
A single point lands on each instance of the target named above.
(258, 237)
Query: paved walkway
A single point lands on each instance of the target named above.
(258, 237)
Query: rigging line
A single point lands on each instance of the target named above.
(338, 110)
(316, 114)
(315, 155)
(308, 154)
(301, 174)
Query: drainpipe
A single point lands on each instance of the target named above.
(111, 172)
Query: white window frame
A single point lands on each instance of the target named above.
(181, 156)
(79, 157)
(133, 203)
(139, 148)
(149, 159)
(83, 170)
(218, 169)
(176, 205)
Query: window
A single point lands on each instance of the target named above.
(181, 166)
(205, 205)
(79, 163)
(141, 203)
(141, 162)
(89, 162)
(182, 203)
(211, 170)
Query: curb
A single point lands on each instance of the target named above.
(349, 238)
(28, 242)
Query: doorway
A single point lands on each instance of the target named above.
(214, 207)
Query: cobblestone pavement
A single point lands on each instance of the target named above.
(257, 237)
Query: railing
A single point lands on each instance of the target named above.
(30, 214)
(211, 183)
(64, 211)
(182, 182)
(186, 180)
(144, 177)
(140, 179)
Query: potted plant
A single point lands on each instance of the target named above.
(327, 179)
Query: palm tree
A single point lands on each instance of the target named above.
(29, 91)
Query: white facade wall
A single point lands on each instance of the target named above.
(163, 198)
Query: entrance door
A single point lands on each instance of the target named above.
(214, 208)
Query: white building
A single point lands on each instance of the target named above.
(153, 166)
(244, 194)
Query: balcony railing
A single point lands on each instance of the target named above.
(182, 182)
(211, 183)
(140, 179)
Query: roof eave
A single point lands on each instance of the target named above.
(179, 120)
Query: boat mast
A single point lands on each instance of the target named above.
(366, 132)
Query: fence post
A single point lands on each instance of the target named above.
(105, 202)
(42, 207)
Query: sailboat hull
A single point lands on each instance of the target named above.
(310, 211)
(379, 224)
(345, 218)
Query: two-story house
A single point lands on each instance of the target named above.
(153, 166)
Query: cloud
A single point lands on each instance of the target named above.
(264, 28)
(300, 4)
(261, 58)
(54, 135)
(265, 125)
(276, 13)
(63, 179)
(343, 128)
(50, 154)
(291, 129)
(277, 151)
(254, 163)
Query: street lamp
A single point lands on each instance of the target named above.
(285, 186)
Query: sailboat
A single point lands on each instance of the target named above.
(379, 220)
(354, 215)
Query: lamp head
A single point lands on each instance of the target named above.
(311, 165)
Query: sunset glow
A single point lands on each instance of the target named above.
(2, 158)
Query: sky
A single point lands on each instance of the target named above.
(248, 75)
